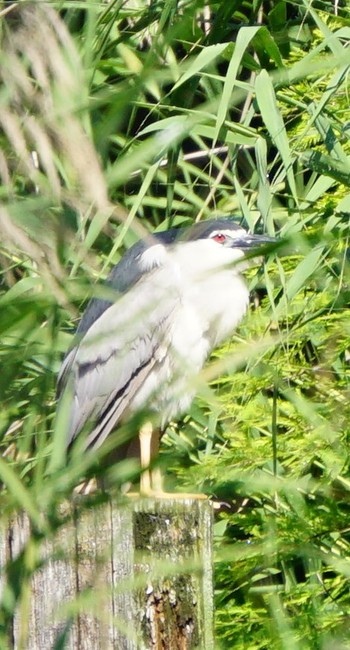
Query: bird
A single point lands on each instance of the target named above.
(178, 295)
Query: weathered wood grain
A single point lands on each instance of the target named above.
(134, 576)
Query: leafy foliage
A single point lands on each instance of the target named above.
(130, 116)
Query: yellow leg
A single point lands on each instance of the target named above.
(151, 480)
(145, 437)
(157, 481)
(87, 487)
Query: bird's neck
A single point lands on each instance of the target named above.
(213, 288)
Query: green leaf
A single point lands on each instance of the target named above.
(344, 204)
(331, 40)
(273, 120)
(278, 16)
(204, 58)
(244, 38)
(303, 272)
(21, 495)
(263, 41)
(230, 133)
(327, 166)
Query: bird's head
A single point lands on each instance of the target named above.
(228, 234)
(222, 241)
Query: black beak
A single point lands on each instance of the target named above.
(253, 241)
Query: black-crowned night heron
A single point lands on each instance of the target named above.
(179, 294)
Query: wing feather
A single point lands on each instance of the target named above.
(114, 358)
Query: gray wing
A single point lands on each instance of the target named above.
(105, 371)
(124, 275)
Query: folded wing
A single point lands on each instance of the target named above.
(105, 371)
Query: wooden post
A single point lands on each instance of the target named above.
(136, 576)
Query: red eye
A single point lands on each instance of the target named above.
(219, 237)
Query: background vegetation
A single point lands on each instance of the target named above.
(125, 116)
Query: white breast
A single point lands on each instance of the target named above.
(213, 288)
(213, 299)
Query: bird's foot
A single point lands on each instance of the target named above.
(151, 487)
(160, 494)
(89, 486)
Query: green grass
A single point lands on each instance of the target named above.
(124, 117)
